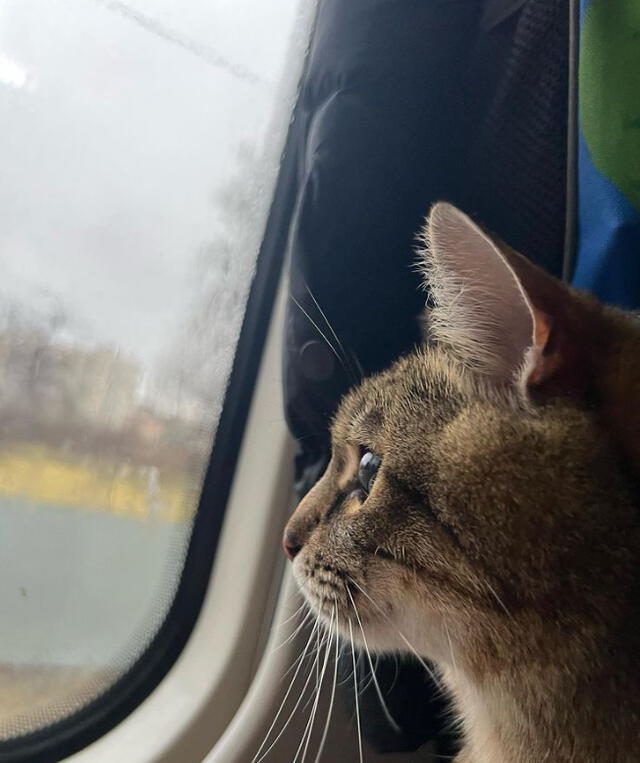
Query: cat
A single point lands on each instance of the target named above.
(481, 507)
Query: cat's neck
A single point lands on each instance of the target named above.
(548, 713)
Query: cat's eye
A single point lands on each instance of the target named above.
(368, 470)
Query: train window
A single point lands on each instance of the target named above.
(140, 151)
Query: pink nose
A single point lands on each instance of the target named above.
(291, 544)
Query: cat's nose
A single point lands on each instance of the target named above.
(291, 543)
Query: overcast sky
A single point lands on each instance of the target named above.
(113, 141)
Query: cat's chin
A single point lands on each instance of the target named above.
(378, 637)
(353, 615)
(369, 608)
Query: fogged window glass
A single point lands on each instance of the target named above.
(139, 147)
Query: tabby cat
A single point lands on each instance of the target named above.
(481, 508)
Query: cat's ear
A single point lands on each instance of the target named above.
(482, 310)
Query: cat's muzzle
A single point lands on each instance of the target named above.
(324, 584)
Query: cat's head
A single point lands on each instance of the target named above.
(470, 490)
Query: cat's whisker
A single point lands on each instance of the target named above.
(314, 694)
(316, 670)
(318, 644)
(355, 689)
(258, 757)
(368, 679)
(358, 659)
(325, 639)
(291, 715)
(385, 709)
(333, 694)
(343, 650)
(316, 629)
(414, 651)
(367, 683)
(346, 680)
(313, 697)
(306, 735)
(494, 593)
(297, 612)
(322, 334)
(453, 659)
(322, 638)
(335, 336)
(356, 360)
(317, 665)
(292, 635)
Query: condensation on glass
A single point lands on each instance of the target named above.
(139, 146)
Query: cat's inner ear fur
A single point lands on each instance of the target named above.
(481, 312)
